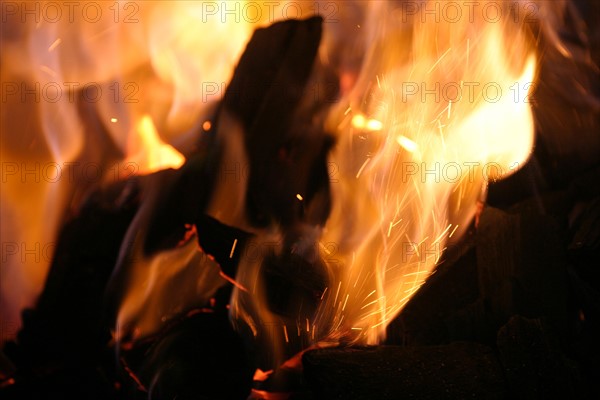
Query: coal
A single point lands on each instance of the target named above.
(457, 370)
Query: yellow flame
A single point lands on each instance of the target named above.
(448, 98)
(149, 152)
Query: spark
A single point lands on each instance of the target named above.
(233, 248)
(324, 291)
(359, 273)
(438, 60)
(299, 196)
(206, 125)
(377, 311)
(337, 293)
(453, 230)
(287, 339)
(392, 225)
(345, 301)
(416, 273)
(232, 281)
(55, 44)
(113, 120)
(407, 144)
(370, 294)
(442, 234)
(49, 71)
(362, 167)
(380, 323)
(307, 325)
(368, 304)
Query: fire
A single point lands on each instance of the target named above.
(148, 152)
(432, 112)
(435, 108)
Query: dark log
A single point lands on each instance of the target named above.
(457, 370)
(432, 316)
(61, 345)
(534, 363)
(200, 357)
(522, 268)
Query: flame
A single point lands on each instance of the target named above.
(413, 155)
(148, 152)
(438, 109)
(447, 122)
(74, 72)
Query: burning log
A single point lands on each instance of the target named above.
(516, 263)
(52, 342)
(521, 269)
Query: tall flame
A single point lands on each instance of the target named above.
(440, 107)
(442, 96)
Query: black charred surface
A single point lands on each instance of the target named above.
(61, 345)
(525, 283)
(454, 371)
(200, 357)
(534, 363)
(217, 240)
(184, 197)
(280, 113)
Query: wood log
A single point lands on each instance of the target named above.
(458, 370)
